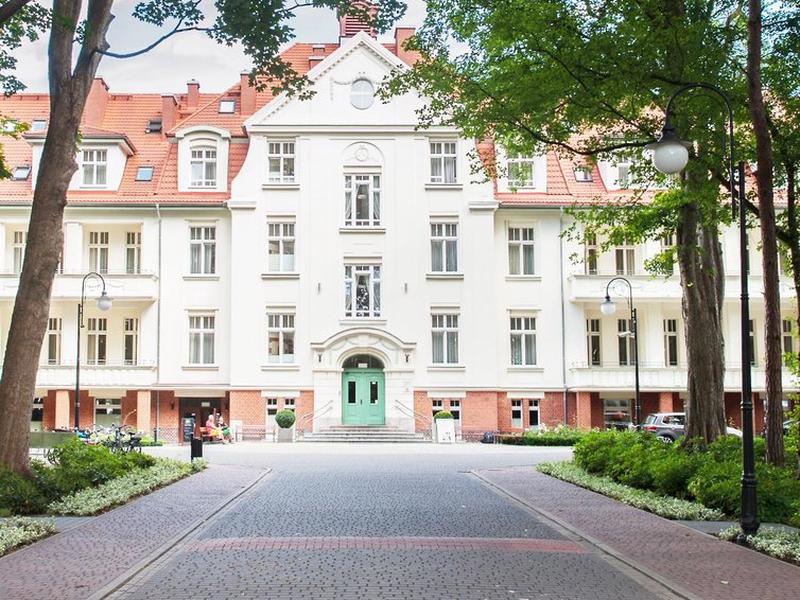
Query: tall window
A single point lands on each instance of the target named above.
(445, 339)
(591, 254)
(520, 171)
(626, 258)
(520, 250)
(201, 339)
(98, 251)
(443, 162)
(751, 340)
(667, 243)
(455, 410)
(671, 342)
(626, 342)
(362, 200)
(280, 239)
(95, 163)
(107, 411)
(523, 341)
(623, 174)
(436, 406)
(788, 336)
(131, 341)
(593, 342)
(20, 239)
(362, 291)
(516, 414)
(204, 167)
(203, 246)
(96, 341)
(444, 247)
(53, 341)
(533, 413)
(133, 252)
(280, 344)
(280, 156)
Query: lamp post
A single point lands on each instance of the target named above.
(103, 303)
(670, 155)
(607, 307)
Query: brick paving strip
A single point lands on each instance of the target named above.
(110, 548)
(694, 564)
(384, 543)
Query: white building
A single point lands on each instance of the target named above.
(325, 255)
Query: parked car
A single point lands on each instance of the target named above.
(668, 427)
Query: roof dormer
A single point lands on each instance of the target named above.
(203, 159)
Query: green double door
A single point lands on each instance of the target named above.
(362, 397)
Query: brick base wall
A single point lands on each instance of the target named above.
(304, 408)
(422, 406)
(248, 407)
(551, 410)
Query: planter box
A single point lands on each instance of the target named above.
(285, 435)
(445, 431)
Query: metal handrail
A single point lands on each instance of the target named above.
(307, 417)
(422, 416)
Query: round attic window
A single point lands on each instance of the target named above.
(362, 94)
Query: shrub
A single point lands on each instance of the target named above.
(672, 471)
(635, 455)
(148, 441)
(443, 414)
(284, 418)
(560, 436)
(597, 451)
(18, 495)
(77, 465)
(21, 531)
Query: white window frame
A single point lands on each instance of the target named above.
(111, 406)
(437, 404)
(522, 333)
(53, 346)
(202, 249)
(94, 167)
(204, 157)
(444, 335)
(625, 343)
(98, 251)
(281, 328)
(97, 341)
(133, 252)
(625, 258)
(455, 410)
(444, 161)
(616, 406)
(521, 242)
(515, 161)
(362, 96)
(130, 339)
(533, 407)
(671, 346)
(202, 328)
(594, 340)
(373, 274)
(352, 182)
(752, 340)
(787, 336)
(623, 181)
(281, 161)
(444, 247)
(592, 254)
(281, 246)
(20, 241)
(516, 414)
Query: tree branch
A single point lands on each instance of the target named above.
(175, 30)
(11, 8)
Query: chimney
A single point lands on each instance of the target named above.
(193, 93)
(401, 34)
(96, 101)
(350, 25)
(169, 113)
(248, 94)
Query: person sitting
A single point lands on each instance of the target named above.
(212, 431)
(226, 431)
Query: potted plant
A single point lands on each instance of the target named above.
(445, 427)
(285, 419)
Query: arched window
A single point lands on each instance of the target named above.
(204, 167)
(363, 361)
(362, 94)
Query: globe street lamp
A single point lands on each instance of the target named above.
(103, 303)
(608, 308)
(670, 155)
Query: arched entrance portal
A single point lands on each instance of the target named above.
(363, 391)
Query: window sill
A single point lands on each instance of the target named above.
(281, 275)
(523, 277)
(443, 367)
(444, 186)
(354, 229)
(201, 277)
(280, 186)
(362, 321)
(280, 367)
(525, 368)
(200, 367)
(211, 189)
(444, 275)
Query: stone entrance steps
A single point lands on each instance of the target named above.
(364, 433)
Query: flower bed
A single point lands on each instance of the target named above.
(21, 531)
(664, 506)
(559, 436)
(784, 545)
(91, 501)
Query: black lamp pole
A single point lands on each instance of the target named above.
(78, 336)
(635, 332)
(749, 519)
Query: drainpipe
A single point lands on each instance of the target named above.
(563, 311)
(158, 332)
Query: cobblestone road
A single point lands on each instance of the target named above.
(342, 522)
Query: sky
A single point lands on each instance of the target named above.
(192, 55)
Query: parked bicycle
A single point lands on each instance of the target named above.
(123, 440)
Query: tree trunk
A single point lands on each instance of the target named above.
(702, 280)
(68, 93)
(769, 242)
